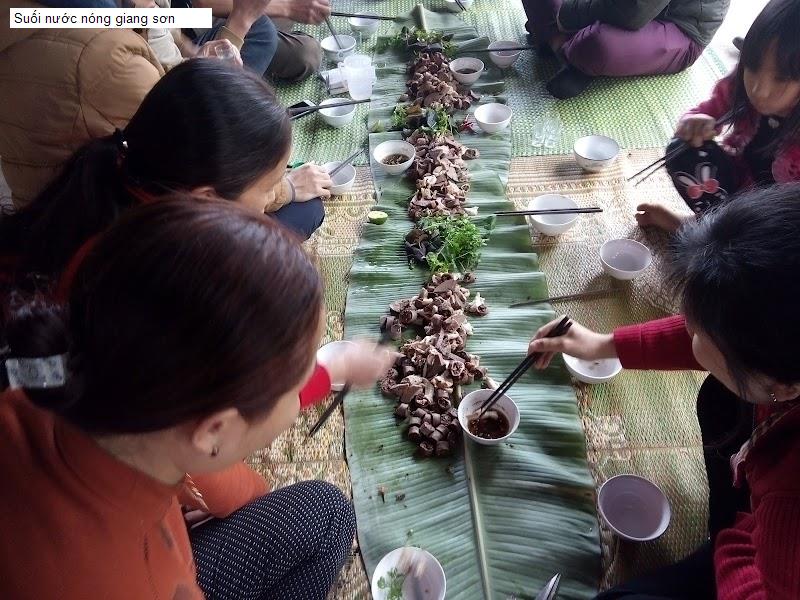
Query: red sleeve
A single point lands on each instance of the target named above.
(663, 345)
(229, 490)
(758, 558)
(317, 387)
(721, 99)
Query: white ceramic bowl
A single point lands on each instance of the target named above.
(592, 371)
(506, 58)
(331, 49)
(472, 403)
(625, 259)
(343, 180)
(362, 25)
(552, 224)
(453, 6)
(385, 149)
(467, 63)
(493, 116)
(594, 153)
(339, 116)
(327, 353)
(430, 574)
(634, 508)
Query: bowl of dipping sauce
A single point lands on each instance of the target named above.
(593, 153)
(343, 180)
(332, 50)
(363, 25)
(625, 259)
(493, 117)
(634, 508)
(592, 371)
(504, 58)
(337, 116)
(394, 156)
(467, 70)
(495, 426)
(415, 572)
(552, 224)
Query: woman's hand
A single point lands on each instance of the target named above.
(696, 129)
(195, 517)
(361, 364)
(310, 181)
(579, 342)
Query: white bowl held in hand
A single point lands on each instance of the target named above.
(552, 224)
(331, 48)
(410, 564)
(363, 25)
(470, 406)
(593, 371)
(453, 6)
(459, 65)
(337, 116)
(594, 153)
(390, 148)
(328, 353)
(634, 508)
(625, 259)
(504, 58)
(343, 180)
(493, 117)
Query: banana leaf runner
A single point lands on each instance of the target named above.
(503, 519)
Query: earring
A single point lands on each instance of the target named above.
(215, 449)
(773, 396)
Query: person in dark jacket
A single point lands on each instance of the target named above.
(621, 38)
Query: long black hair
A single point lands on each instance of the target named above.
(203, 124)
(778, 26)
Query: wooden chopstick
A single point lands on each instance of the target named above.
(345, 162)
(373, 17)
(559, 330)
(565, 297)
(550, 211)
(333, 33)
(302, 111)
(337, 401)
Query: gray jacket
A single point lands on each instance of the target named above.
(699, 19)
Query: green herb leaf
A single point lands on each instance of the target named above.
(461, 244)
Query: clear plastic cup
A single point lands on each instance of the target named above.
(357, 61)
(360, 84)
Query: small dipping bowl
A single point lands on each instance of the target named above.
(429, 572)
(593, 371)
(390, 147)
(552, 224)
(472, 404)
(493, 117)
(634, 508)
(331, 49)
(338, 116)
(593, 153)
(465, 64)
(343, 180)
(625, 259)
(505, 58)
(329, 351)
(363, 25)
(453, 6)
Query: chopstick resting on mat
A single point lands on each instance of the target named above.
(466, 50)
(372, 17)
(557, 331)
(565, 297)
(550, 211)
(301, 111)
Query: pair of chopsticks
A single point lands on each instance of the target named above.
(461, 5)
(333, 33)
(562, 328)
(550, 589)
(565, 297)
(345, 162)
(337, 401)
(470, 51)
(302, 111)
(373, 17)
(550, 211)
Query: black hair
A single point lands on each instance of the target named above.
(204, 123)
(170, 318)
(778, 26)
(737, 272)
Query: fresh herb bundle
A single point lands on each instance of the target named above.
(431, 120)
(461, 243)
(417, 40)
(393, 584)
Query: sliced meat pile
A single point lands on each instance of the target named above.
(441, 175)
(425, 377)
(433, 85)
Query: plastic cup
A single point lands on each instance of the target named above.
(357, 61)
(360, 82)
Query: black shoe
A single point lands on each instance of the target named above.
(738, 42)
(542, 50)
(568, 83)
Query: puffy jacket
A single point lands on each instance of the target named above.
(699, 19)
(60, 88)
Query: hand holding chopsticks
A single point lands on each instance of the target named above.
(557, 331)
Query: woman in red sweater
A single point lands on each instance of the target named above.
(190, 331)
(737, 270)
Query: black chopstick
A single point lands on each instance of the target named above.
(301, 111)
(461, 5)
(565, 297)
(550, 211)
(333, 33)
(559, 330)
(372, 17)
(345, 162)
(337, 401)
(466, 50)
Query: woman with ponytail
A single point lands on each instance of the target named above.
(171, 356)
